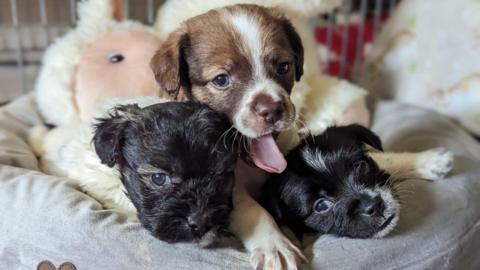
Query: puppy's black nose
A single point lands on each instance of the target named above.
(371, 206)
(268, 109)
(196, 224)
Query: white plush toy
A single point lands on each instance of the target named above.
(322, 100)
(103, 56)
(428, 54)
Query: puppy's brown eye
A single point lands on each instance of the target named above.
(322, 205)
(361, 167)
(283, 68)
(222, 81)
(160, 179)
(116, 58)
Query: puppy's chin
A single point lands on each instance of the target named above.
(390, 216)
(391, 213)
(387, 227)
(182, 234)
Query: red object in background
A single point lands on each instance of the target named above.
(337, 39)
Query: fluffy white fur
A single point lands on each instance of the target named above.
(54, 93)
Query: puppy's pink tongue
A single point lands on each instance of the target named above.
(266, 155)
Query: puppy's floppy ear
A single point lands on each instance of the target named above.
(297, 47)
(365, 135)
(170, 67)
(109, 133)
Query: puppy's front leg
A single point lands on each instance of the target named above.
(432, 164)
(268, 247)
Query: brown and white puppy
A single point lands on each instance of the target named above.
(242, 60)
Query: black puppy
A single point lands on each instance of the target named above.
(332, 186)
(175, 166)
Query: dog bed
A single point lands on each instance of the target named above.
(44, 218)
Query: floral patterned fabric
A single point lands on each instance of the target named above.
(428, 54)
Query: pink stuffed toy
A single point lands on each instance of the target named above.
(103, 56)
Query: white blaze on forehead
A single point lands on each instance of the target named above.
(251, 33)
(313, 157)
(251, 36)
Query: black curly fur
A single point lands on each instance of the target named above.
(186, 141)
(290, 197)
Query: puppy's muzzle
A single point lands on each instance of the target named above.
(269, 110)
(199, 224)
(368, 206)
(272, 114)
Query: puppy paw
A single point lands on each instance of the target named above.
(276, 252)
(435, 164)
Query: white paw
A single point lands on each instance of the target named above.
(435, 164)
(276, 252)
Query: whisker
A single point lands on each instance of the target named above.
(246, 143)
(224, 136)
(234, 138)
